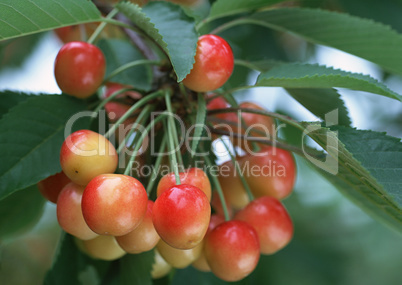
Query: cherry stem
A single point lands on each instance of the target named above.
(144, 113)
(254, 145)
(139, 142)
(217, 186)
(172, 128)
(131, 65)
(101, 26)
(236, 164)
(111, 97)
(157, 164)
(137, 105)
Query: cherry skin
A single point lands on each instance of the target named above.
(116, 110)
(114, 204)
(216, 205)
(271, 221)
(86, 154)
(213, 65)
(201, 263)
(51, 187)
(193, 176)
(232, 250)
(271, 173)
(181, 216)
(160, 267)
(178, 258)
(79, 69)
(142, 238)
(69, 213)
(231, 185)
(256, 126)
(101, 247)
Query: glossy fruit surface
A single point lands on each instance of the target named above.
(272, 172)
(255, 126)
(69, 213)
(114, 204)
(86, 154)
(232, 250)
(193, 176)
(79, 69)
(51, 187)
(102, 247)
(213, 65)
(142, 238)
(201, 262)
(178, 258)
(232, 187)
(181, 216)
(160, 267)
(271, 221)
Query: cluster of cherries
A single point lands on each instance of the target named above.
(110, 214)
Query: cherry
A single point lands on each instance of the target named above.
(142, 238)
(178, 258)
(114, 204)
(115, 110)
(232, 250)
(201, 263)
(101, 247)
(213, 65)
(256, 126)
(51, 187)
(271, 221)
(86, 154)
(160, 267)
(232, 186)
(193, 176)
(272, 172)
(79, 69)
(69, 213)
(181, 216)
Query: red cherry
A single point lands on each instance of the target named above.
(69, 213)
(51, 187)
(201, 263)
(213, 65)
(193, 176)
(79, 69)
(142, 238)
(86, 154)
(114, 204)
(271, 221)
(181, 216)
(272, 172)
(232, 250)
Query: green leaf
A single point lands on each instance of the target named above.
(9, 99)
(31, 135)
(20, 211)
(199, 123)
(136, 268)
(71, 266)
(365, 38)
(223, 8)
(170, 28)
(369, 169)
(119, 52)
(20, 17)
(297, 75)
(320, 102)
